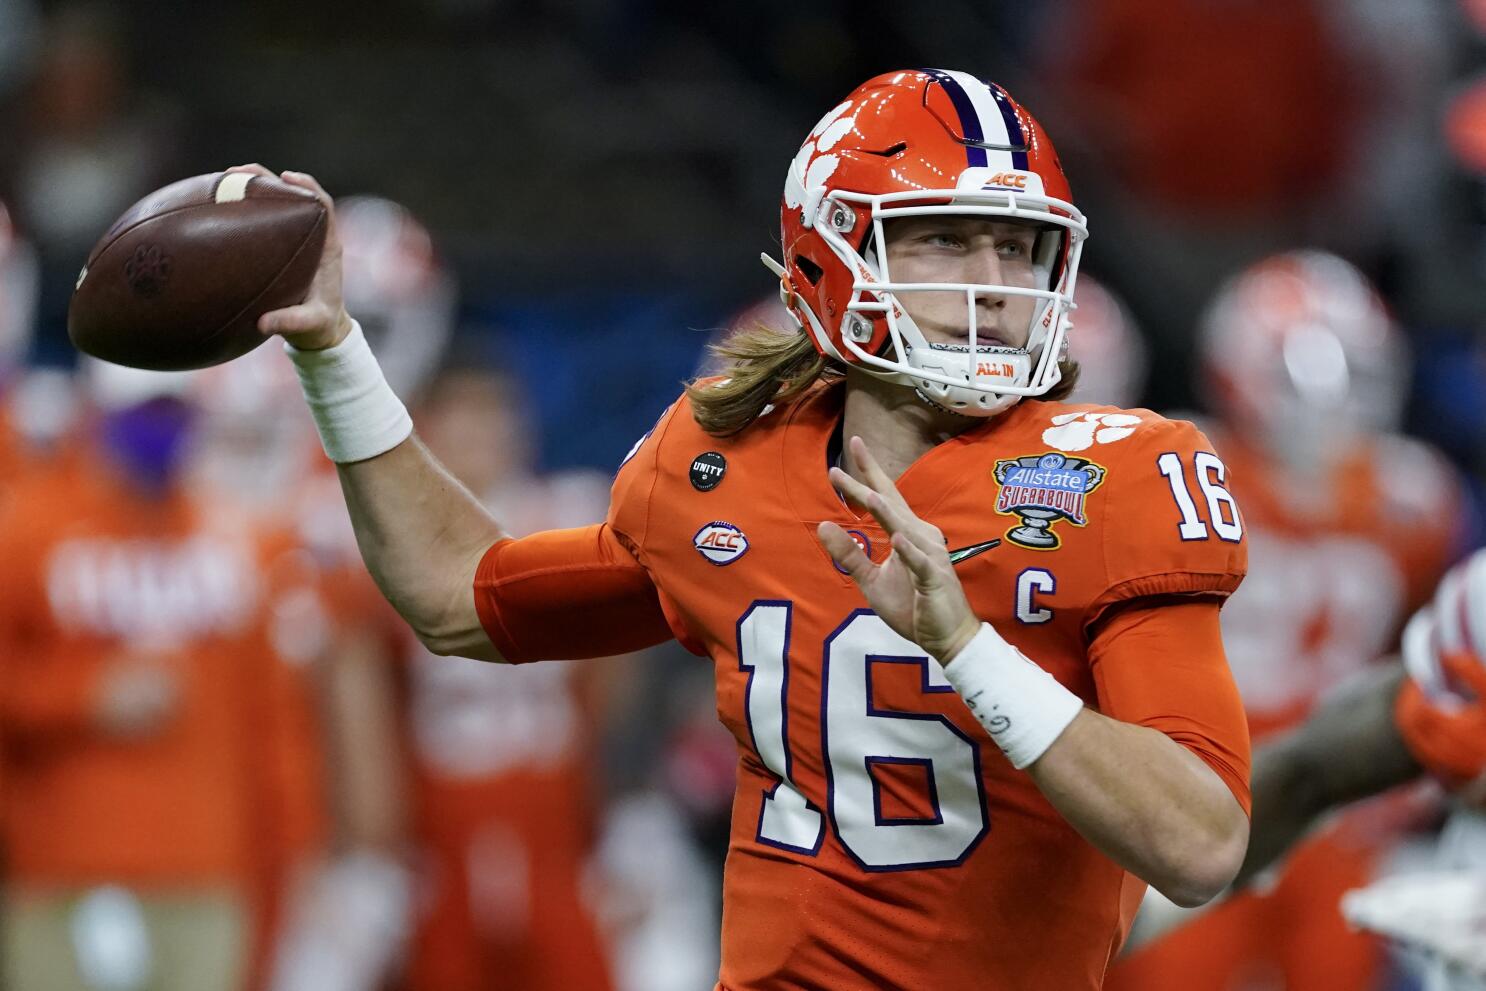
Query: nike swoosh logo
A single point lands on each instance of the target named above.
(966, 553)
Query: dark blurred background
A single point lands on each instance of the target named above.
(601, 175)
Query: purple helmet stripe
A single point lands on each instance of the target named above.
(969, 119)
(1013, 126)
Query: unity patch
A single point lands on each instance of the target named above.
(707, 470)
(1043, 489)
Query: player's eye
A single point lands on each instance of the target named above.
(1014, 249)
(943, 239)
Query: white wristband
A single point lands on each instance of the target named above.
(355, 410)
(1022, 706)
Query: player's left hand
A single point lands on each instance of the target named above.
(915, 590)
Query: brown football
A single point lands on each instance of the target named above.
(180, 280)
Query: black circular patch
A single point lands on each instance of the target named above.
(707, 470)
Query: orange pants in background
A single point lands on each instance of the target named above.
(1292, 937)
(499, 901)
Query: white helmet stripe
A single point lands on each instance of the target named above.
(992, 124)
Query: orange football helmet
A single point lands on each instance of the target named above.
(918, 142)
(1301, 355)
(398, 289)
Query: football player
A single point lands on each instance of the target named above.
(503, 757)
(1307, 371)
(394, 276)
(335, 903)
(141, 712)
(965, 635)
(1108, 346)
(18, 289)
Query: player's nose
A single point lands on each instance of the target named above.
(984, 268)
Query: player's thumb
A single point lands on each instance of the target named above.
(847, 553)
(294, 319)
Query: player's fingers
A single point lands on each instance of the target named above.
(890, 511)
(306, 181)
(844, 551)
(854, 491)
(892, 519)
(901, 521)
(252, 169)
(920, 564)
(876, 477)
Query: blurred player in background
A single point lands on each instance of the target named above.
(394, 275)
(335, 886)
(1383, 728)
(502, 785)
(505, 758)
(140, 705)
(1351, 525)
(1109, 348)
(18, 290)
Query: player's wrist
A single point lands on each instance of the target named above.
(1024, 708)
(956, 643)
(356, 412)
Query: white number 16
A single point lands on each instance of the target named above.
(1222, 508)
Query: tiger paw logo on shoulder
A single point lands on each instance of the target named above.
(1043, 489)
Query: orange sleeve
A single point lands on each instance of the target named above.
(1160, 663)
(567, 594)
(1171, 526)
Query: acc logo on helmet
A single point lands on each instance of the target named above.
(1013, 180)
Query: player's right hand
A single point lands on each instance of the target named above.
(321, 320)
(915, 591)
(137, 695)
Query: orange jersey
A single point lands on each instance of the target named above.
(94, 574)
(1333, 572)
(10, 456)
(880, 839)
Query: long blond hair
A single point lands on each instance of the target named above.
(763, 365)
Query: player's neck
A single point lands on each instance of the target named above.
(898, 426)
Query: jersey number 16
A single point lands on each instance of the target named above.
(857, 738)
